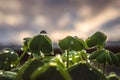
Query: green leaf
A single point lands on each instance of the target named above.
(26, 40)
(44, 73)
(109, 59)
(84, 54)
(71, 43)
(114, 58)
(28, 68)
(46, 44)
(78, 44)
(102, 57)
(113, 76)
(7, 75)
(25, 44)
(118, 55)
(8, 55)
(34, 44)
(97, 38)
(40, 43)
(94, 54)
(65, 43)
(84, 71)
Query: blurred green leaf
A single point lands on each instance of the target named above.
(7, 75)
(83, 71)
(94, 54)
(118, 55)
(44, 73)
(113, 76)
(115, 59)
(28, 68)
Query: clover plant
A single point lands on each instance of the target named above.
(75, 63)
(101, 55)
(71, 43)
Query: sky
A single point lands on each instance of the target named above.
(60, 18)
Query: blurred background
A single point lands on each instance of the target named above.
(60, 18)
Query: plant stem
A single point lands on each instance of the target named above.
(18, 61)
(104, 68)
(98, 66)
(29, 58)
(67, 59)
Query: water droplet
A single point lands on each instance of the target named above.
(71, 42)
(88, 61)
(6, 58)
(90, 69)
(99, 70)
(6, 51)
(75, 37)
(52, 64)
(58, 56)
(12, 52)
(29, 53)
(43, 32)
(1, 72)
(42, 55)
(22, 49)
(70, 58)
(11, 65)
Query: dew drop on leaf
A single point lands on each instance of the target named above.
(43, 32)
(6, 58)
(1, 72)
(22, 49)
(29, 53)
(88, 61)
(90, 69)
(12, 52)
(75, 37)
(70, 58)
(71, 42)
(11, 65)
(6, 51)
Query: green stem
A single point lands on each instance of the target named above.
(104, 68)
(98, 66)
(67, 59)
(18, 61)
(29, 58)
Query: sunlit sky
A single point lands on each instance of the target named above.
(60, 18)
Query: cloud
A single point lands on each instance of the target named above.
(59, 18)
(65, 21)
(40, 21)
(110, 24)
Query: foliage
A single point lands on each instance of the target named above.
(75, 63)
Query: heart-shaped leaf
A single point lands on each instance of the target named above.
(97, 38)
(65, 43)
(71, 43)
(40, 43)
